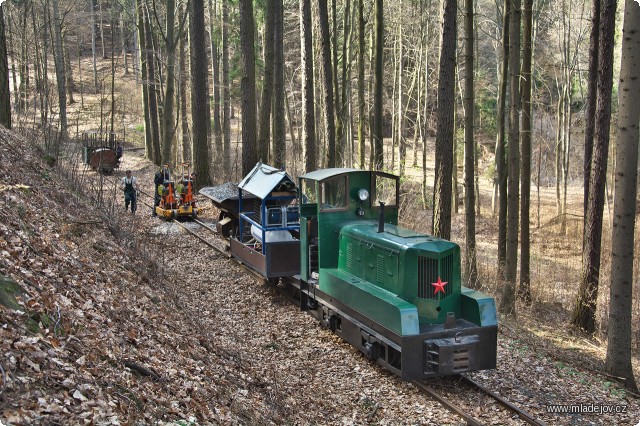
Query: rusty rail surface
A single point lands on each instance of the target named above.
(470, 420)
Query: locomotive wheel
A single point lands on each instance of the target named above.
(274, 281)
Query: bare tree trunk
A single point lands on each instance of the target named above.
(524, 291)
(590, 106)
(417, 127)
(425, 113)
(361, 84)
(471, 268)
(306, 53)
(156, 155)
(336, 82)
(501, 160)
(559, 142)
(566, 113)
(14, 79)
(402, 141)
(455, 196)
(104, 49)
(279, 130)
(584, 314)
(295, 146)
(248, 87)
(214, 37)
(342, 102)
(46, 43)
(445, 125)
(92, 5)
(226, 101)
(24, 60)
(200, 115)
(329, 116)
(113, 75)
(168, 129)
(476, 150)
(5, 95)
(378, 141)
(59, 65)
(394, 106)
(148, 145)
(618, 361)
(511, 265)
(70, 85)
(123, 40)
(184, 121)
(264, 120)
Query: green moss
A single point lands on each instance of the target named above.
(32, 325)
(50, 160)
(9, 289)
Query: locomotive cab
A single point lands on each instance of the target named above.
(391, 292)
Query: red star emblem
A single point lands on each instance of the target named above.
(439, 286)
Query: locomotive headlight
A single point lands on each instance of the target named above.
(363, 194)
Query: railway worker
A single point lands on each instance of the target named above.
(119, 151)
(161, 178)
(130, 187)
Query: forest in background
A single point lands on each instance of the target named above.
(369, 84)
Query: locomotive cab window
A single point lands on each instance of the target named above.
(333, 193)
(385, 189)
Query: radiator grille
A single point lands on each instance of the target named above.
(349, 256)
(380, 269)
(428, 272)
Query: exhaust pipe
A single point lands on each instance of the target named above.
(381, 218)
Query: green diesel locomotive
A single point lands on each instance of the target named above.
(391, 292)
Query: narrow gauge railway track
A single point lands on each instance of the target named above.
(218, 246)
(428, 388)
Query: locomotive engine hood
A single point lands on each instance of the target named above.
(430, 274)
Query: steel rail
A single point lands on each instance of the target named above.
(471, 421)
(201, 238)
(521, 413)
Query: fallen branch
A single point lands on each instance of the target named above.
(4, 379)
(88, 222)
(373, 412)
(142, 370)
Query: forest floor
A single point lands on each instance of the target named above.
(123, 319)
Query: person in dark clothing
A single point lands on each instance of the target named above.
(160, 179)
(119, 151)
(130, 187)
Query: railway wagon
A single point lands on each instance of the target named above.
(99, 151)
(267, 238)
